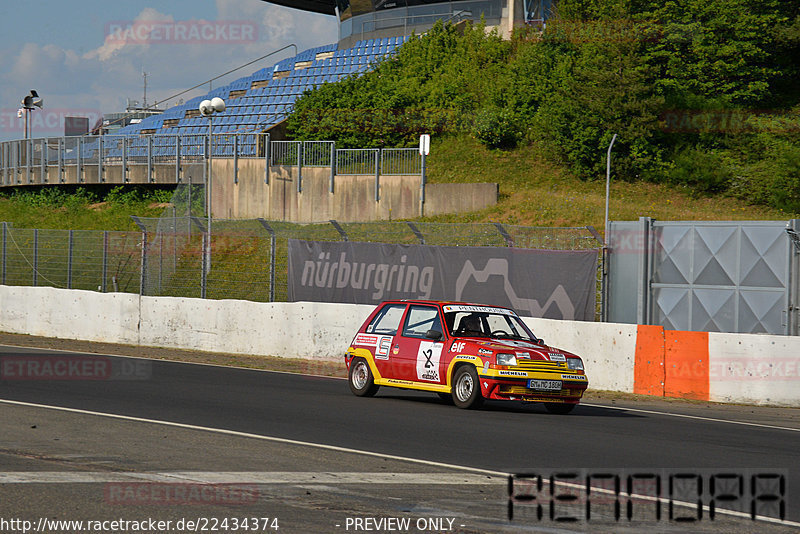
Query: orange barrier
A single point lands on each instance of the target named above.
(686, 364)
(671, 363)
(648, 369)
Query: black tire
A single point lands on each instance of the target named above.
(559, 408)
(446, 397)
(466, 388)
(360, 379)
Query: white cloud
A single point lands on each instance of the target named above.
(103, 77)
(117, 37)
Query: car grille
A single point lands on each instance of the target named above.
(522, 390)
(540, 365)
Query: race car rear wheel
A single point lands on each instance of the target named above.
(360, 379)
(466, 388)
(558, 408)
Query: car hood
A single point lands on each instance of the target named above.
(535, 351)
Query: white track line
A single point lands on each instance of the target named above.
(185, 362)
(248, 477)
(261, 437)
(685, 416)
(655, 412)
(638, 410)
(489, 474)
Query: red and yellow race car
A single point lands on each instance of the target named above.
(464, 352)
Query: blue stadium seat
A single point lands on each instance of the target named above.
(258, 107)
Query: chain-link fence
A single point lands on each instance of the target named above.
(71, 259)
(234, 259)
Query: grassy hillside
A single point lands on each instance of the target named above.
(82, 207)
(536, 192)
(702, 94)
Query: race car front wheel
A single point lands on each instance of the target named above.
(361, 382)
(466, 388)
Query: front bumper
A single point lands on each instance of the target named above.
(512, 388)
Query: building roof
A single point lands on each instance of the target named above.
(326, 7)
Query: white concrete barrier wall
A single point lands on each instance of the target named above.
(756, 369)
(294, 330)
(70, 314)
(607, 349)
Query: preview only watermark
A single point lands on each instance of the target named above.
(399, 524)
(181, 32)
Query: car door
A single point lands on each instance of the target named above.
(380, 335)
(418, 358)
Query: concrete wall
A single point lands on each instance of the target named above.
(352, 200)
(607, 349)
(297, 330)
(70, 314)
(247, 195)
(754, 369)
(743, 368)
(309, 330)
(459, 198)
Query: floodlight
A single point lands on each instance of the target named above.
(205, 107)
(32, 100)
(218, 104)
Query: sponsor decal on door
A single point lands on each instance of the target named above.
(428, 357)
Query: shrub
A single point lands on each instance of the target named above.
(705, 172)
(497, 128)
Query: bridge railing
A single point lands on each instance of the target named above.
(110, 158)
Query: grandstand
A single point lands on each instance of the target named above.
(254, 103)
(257, 103)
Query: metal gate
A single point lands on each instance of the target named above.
(705, 276)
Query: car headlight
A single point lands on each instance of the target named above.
(506, 359)
(576, 364)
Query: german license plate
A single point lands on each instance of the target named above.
(545, 385)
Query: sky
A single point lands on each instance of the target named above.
(86, 57)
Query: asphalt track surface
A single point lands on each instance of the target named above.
(503, 437)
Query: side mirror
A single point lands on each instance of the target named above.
(433, 334)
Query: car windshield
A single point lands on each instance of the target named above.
(486, 322)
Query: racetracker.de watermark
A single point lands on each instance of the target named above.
(44, 122)
(73, 368)
(605, 31)
(154, 493)
(181, 32)
(732, 121)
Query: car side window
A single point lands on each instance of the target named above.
(421, 319)
(387, 320)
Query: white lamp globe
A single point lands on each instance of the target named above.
(218, 104)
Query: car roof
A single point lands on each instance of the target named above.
(443, 303)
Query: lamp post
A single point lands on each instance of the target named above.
(604, 306)
(207, 109)
(29, 103)
(608, 184)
